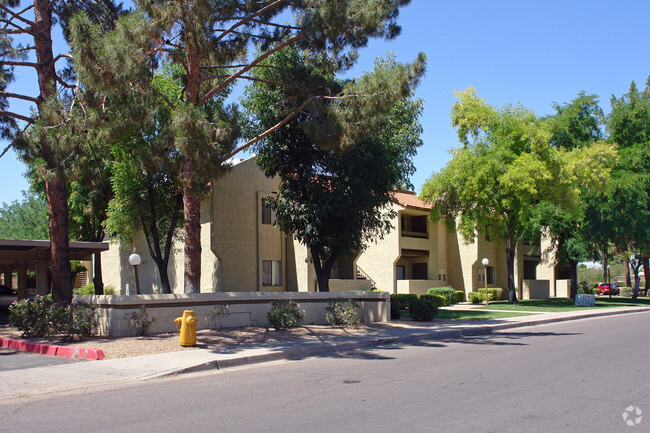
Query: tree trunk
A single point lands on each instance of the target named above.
(164, 280)
(323, 270)
(510, 262)
(605, 263)
(192, 228)
(60, 245)
(55, 185)
(573, 266)
(323, 282)
(628, 282)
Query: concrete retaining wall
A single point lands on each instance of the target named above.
(246, 308)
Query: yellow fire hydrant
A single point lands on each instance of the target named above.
(187, 326)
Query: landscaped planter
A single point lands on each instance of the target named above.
(246, 308)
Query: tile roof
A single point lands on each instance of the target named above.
(409, 199)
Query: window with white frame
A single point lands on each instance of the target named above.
(271, 273)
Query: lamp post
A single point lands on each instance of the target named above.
(135, 260)
(609, 280)
(486, 262)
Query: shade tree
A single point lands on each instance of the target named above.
(211, 41)
(336, 177)
(504, 168)
(42, 136)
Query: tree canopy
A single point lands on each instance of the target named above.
(335, 189)
(575, 125)
(44, 137)
(505, 167)
(211, 41)
(26, 219)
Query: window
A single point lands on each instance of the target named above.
(530, 270)
(419, 224)
(419, 271)
(414, 226)
(401, 271)
(271, 273)
(268, 214)
(489, 272)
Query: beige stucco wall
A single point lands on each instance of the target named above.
(535, 289)
(239, 239)
(418, 287)
(465, 263)
(378, 260)
(546, 268)
(117, 272)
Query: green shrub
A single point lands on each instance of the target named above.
(88, 289)
(460, 296)
(423, 308)
(73, 320)
(32, 317)
(627, 291)
(476, 297)
(402, 300)
(42, 317)
(440, 300)
(595, 291)
(585, 288)
(447, 292)
(340, 314)
(479, 295)
(395, 312)
(285, 313)
(141, 321)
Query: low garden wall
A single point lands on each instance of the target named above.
(536, 289)
(246, 308)
(562, 288)
(418, 287)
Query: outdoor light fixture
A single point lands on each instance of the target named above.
(135, 260)
(486, 262)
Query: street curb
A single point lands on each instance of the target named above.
(51, 349)
(329, 348)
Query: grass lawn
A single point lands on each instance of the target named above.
(559, 305)
(477, 314)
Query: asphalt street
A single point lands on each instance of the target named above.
(579, 376)
(11, 359)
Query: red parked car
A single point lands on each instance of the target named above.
(605, 289)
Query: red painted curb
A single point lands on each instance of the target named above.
(50, 349)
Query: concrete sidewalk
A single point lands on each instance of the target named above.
(83, 376)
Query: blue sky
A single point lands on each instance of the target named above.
(534, 53)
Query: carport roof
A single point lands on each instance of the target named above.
(28, 249)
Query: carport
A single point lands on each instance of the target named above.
(21, 256)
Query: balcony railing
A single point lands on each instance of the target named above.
(415, 234)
